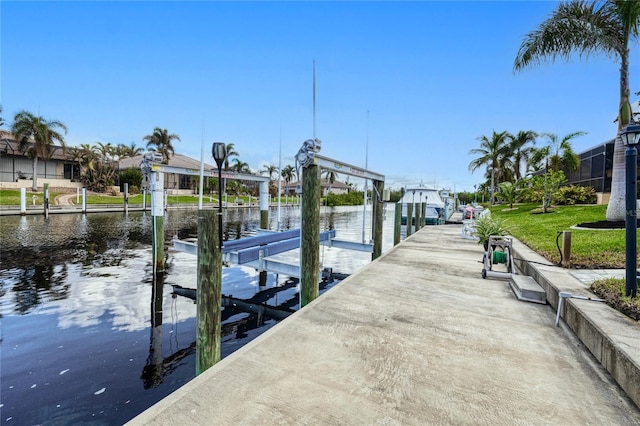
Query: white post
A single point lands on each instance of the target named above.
(84, 200)
(77, 195)
(144, 200)
(166, 194)
(23, 201)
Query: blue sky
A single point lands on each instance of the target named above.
(433, 76)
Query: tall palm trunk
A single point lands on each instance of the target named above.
(616, 209)
(34, 183)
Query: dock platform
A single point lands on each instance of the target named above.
(416, 337)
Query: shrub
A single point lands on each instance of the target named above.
(574, 194)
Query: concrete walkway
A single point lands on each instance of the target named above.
(416, 337)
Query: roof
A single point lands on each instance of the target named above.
(10, 146)
(176, 160)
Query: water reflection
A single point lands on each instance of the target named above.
(80, 289)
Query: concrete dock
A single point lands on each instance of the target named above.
(418, 337)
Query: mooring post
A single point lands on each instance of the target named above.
(126, 198)
(409, 217)
(144, 200)
(424, 213)
(23, 201)
(566, 249)
(157, 220)
(418, 217)
(209, 291)
(264, 222)
(46, 199)
(378, 187)
(397, 225)
(310, 228)
(84, 200)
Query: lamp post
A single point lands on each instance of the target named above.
(630, 138)
(219, 151)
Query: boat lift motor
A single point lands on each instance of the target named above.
(499, 252)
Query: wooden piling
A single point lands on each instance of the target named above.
(209, 292)
(409, 218)
(418, 211)
(397, 225)
(157, 220)
(310, 229)
(424, 214)
(376, 230)
(566, 249)
(264, 222)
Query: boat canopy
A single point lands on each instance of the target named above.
(420, 195)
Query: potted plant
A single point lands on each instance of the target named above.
(485, 227)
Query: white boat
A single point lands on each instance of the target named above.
(438, 203)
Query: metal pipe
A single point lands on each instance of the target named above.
(631, 156)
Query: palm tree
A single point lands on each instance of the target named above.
(521, 149)
(160, 141)
(231, 152)
(1, 119)
(270, 170)
(36, 136)
(331, 176)
(561, 155)
(124, 151)
(588, 27)
(287, 173)
(239, 166)
(491, 153)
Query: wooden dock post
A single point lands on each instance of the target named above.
(424, 214)
(409, 217)
(209, 291)
(566, 249)
(264, 222)
(157, 220)
(378, 187)
(46, 199)
(397, 226)
(310, 229)
(418, 217)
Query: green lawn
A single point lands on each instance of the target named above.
(589, 248)
(11, 197)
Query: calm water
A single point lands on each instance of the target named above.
(88, 336)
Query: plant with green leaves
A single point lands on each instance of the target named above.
(485, 226)
(587, 28)
(508, 193)
(160, 141)
(545, 187)
(491, 155)
(36, 136)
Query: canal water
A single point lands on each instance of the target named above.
(88, 336)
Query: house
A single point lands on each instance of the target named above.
(59, 169)
(336, 187)
(595, 170)
(175, 183)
